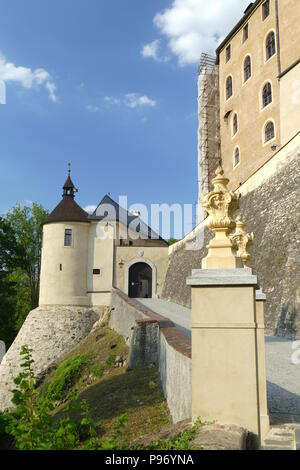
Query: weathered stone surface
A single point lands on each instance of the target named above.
(271, 212)
(169, 432)
(156, 340)
(209, 437)
(49, 332)
(144, 344)
(221, 437)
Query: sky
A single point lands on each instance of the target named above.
(110, 86)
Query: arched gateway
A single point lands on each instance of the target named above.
(140, 281)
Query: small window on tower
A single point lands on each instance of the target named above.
(265, 9)
(235, 124)
(245, 32)
(96, 272)
(267, 94)
(269, 131)
(228, 53)
(60, 267)
(236, 159)
(229, 87)
(68, 237)
(270, 45)
(247, 68)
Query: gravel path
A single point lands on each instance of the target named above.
(283, 376)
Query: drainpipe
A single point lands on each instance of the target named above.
(278, 38)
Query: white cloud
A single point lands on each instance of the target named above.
(195, 26)
(111, 100)
(51, 87)
(131, 100)
(91, 108)
(151, 50)
(90, 209)
(27, 77)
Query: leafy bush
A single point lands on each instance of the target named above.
(32, 424)
(97, 370)
(66, 375)
(114, 442)
(181, 442)
(110, 361)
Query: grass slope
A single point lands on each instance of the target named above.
(110, 391)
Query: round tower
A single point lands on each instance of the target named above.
(64, 261)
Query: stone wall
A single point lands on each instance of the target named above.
(154, 339)
(270, 208)
(49, 332)
(144, 344)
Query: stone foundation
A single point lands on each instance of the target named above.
(49, 332)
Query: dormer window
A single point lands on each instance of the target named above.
(68, 237)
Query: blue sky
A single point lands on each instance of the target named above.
(109, 85)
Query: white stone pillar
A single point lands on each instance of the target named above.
(260, 335)
(228, 364)
(225, 369)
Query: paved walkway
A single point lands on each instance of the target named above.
(283, 376)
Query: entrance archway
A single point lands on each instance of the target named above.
(140, 280)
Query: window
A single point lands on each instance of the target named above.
(247, 68)
(235, 124)
(68, 237)
(228, 53)
(96, 272)
(265, 9)
(228, 87)
(267, 94)
(60, 267)
(236, 156)
(269, 131)
(245, 32)
(270, 45)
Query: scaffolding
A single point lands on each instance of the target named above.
(209, 122)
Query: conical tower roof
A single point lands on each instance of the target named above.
(68, 210)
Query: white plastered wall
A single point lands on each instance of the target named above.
(64, 268)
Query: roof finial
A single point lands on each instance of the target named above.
(69, 169)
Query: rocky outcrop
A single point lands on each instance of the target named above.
(49, 332)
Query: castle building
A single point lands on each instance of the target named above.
(84, 256)
(257, 93)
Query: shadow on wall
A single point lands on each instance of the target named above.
(286, 324)
(283, 402)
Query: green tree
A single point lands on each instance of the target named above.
(26, 224)
(9, 253)
(20, 251)
(7, 309)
